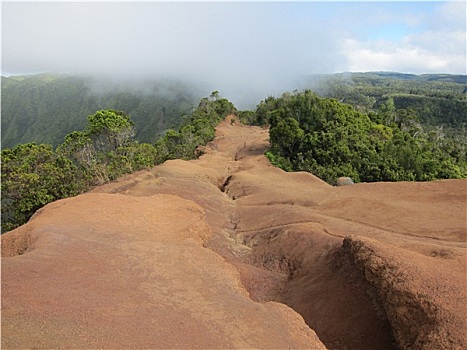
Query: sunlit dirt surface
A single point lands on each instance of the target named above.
(227, 251)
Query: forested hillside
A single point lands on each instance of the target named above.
(44, 108)
(436, 99)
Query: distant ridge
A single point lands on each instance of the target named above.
(452, 78)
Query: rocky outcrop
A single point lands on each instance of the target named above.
(344, 181)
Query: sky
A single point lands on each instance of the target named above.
(245, 50)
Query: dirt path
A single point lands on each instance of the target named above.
(198, 254)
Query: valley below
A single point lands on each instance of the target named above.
(228, 251)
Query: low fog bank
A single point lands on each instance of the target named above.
(244, 92)
(246, 51)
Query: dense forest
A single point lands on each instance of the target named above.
(45, 108)
(367, 126)
(331, 139)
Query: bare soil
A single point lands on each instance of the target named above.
(227, 251)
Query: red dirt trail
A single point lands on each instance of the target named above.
(227, 251)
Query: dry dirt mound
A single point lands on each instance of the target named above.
(114, 271)
(205, 253)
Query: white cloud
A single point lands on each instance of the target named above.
(436, 43)
(408, 58)
(248, 49)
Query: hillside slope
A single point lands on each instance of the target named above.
(44, 108)
(205, 253)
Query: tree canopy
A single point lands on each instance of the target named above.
(331, 139)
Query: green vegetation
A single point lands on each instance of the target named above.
(436, 99)
(34, 175)
(331, 139)
(370, 126)
(45, 108)
(197, 129)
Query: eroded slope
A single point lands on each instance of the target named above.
(194, 254)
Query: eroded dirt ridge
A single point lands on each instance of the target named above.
(205, 253)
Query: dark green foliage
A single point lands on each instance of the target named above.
(435, 110)
(105, 149)
(287, 133)
(247, 117)
(43, 108)
(32, 176)
(331, 139)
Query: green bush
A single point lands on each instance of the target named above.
(331, 139)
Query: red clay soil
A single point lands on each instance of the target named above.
(227, 251)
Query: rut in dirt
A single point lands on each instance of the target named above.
(324, 287)
(303, 267)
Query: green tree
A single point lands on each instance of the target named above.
(100, 152)
(287, 135)
(32, 176)
(110, 129)
(197, 129)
